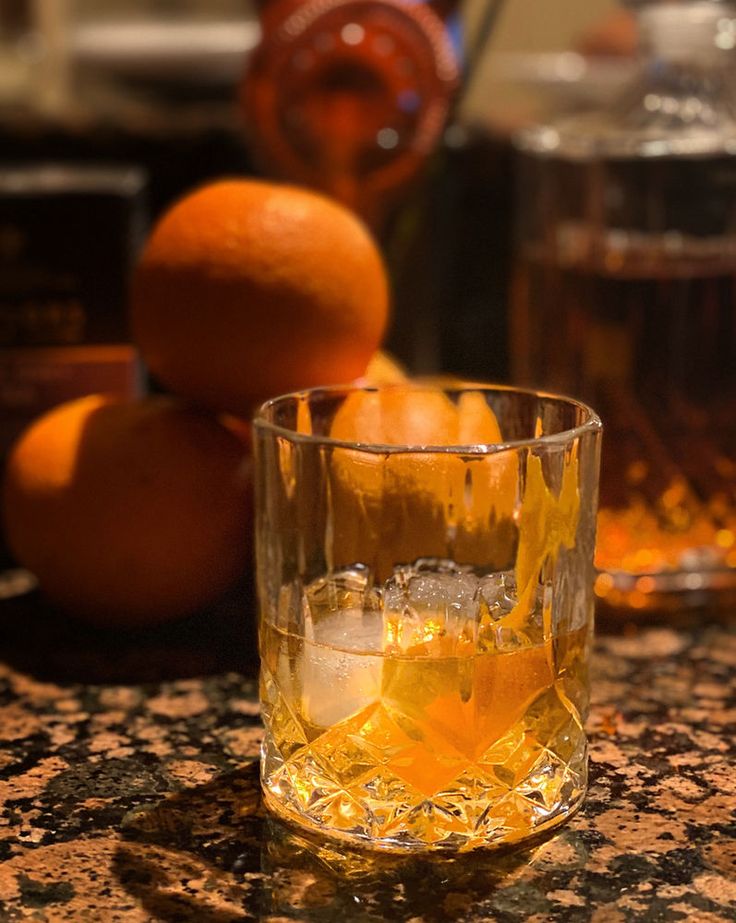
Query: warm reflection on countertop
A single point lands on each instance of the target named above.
(138, 801)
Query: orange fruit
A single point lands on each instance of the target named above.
(383, 369)
(248, 289)
(394, 508)
(129, 512)
(398, 415)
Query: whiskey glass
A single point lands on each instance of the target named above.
(425, 575)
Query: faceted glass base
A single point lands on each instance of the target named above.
(387, 779)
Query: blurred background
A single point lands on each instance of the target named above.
(112, 109)
(594, 256)
(153, 85)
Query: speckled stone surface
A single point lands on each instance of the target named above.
(139, 801)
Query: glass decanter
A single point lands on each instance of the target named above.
(624, 295)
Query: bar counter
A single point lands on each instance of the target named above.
(128, 798)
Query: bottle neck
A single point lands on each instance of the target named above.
(694, 33)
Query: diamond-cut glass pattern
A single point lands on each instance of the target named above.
(423, 765)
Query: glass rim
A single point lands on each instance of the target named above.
(592, 422)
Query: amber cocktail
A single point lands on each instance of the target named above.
(426, 609)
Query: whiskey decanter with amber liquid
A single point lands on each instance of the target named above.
(625, 295)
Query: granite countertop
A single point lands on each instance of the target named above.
(127, 799)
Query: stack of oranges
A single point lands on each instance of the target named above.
(133, 512)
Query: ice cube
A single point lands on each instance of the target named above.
(438, 566)
(429, 600)
(341, 666)
(348, 588)
(400, 624)
(498, 593)
(499, 597)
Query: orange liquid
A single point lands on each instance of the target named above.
(434, 746)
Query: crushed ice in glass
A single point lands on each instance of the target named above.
(419, 603)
